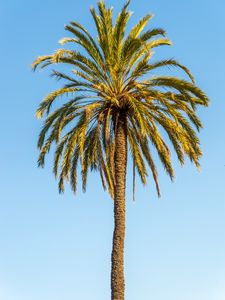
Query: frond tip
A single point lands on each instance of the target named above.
(39, 114)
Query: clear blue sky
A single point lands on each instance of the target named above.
(58, 246)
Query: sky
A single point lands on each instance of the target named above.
(59, 246)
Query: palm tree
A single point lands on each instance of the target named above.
(111, 104)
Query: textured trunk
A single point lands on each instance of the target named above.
(117, 271)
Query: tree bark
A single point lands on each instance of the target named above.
(117, 271)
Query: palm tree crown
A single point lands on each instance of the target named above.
(106, 82)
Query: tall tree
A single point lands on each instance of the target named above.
(112, 101)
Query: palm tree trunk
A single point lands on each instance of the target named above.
(117, 271)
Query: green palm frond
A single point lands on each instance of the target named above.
(136, 31)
